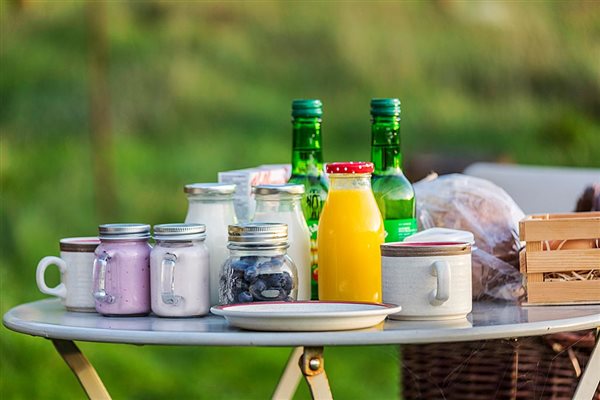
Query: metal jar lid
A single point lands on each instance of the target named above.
(258, 234)
(209, 189)
(180, 232)
(79, 244)
(350, 167)
(285, 189)
(425, 249)
(124, 231)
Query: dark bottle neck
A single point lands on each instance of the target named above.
(385, 145)
(307, 156)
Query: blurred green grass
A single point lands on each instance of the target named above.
(197, 88)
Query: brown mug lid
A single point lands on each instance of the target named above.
(79, 244)
(424, 249)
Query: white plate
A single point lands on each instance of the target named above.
(304, 316)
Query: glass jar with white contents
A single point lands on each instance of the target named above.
(211, 204)
(258, 268)
(179, 271)
(281, 203)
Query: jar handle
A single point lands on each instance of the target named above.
(441, 293)
(100, 265)
(167, 280)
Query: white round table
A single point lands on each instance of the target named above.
(48, 319)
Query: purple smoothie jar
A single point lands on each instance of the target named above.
(122, 270)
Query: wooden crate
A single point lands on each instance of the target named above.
(538, 231)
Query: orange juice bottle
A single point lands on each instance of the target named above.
(350, 232)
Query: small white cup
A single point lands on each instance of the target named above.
(75, 265)
(430, 280)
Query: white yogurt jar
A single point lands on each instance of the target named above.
(179, 271)
(211, 204)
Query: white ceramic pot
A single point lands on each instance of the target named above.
(75, 265)
(430, 280)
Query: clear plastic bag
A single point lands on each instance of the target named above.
(476, 205)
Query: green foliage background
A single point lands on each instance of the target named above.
(200, 87)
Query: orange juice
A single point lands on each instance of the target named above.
(350, 232)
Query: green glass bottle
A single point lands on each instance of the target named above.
(394, 193)
(307, 169)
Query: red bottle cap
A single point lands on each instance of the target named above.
(350, 167)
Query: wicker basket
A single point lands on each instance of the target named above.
(544, 367)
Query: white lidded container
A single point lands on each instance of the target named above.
(281, 203)
(179, 271)
(430, 280)
(211, 204)
(442, 235)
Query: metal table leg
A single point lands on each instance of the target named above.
(313, 368)
(310, 361)
(288, 383)
(589, 381)
(83, 370)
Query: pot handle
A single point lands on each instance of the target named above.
(167, 280)
(441, 294)
(60, 290)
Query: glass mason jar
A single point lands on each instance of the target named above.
(179, 271)
(121, 272)
(258, 268)
(211, 204)
(350, 232)
(281, 203)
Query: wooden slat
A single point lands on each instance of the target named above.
(558, 292)
(531, 248)
(522, 228)
(523, 261)
(563, 260)
(586, 214)
(560, 229)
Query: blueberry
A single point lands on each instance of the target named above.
(281, 280)
(237, 282)
(283, 295)
(239, 265)
(233, 295)
(236, 274)
(273, 263)
(251, 274)
(265, 265)
(244, 297)
(289, 282)
(249, 259)
(257, 288)
(277, 261)
(238, 289)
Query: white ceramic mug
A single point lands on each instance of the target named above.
(430, 280)
(75, 265)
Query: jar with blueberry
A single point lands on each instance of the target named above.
(258, 268)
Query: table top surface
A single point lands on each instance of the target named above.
(489, 320)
